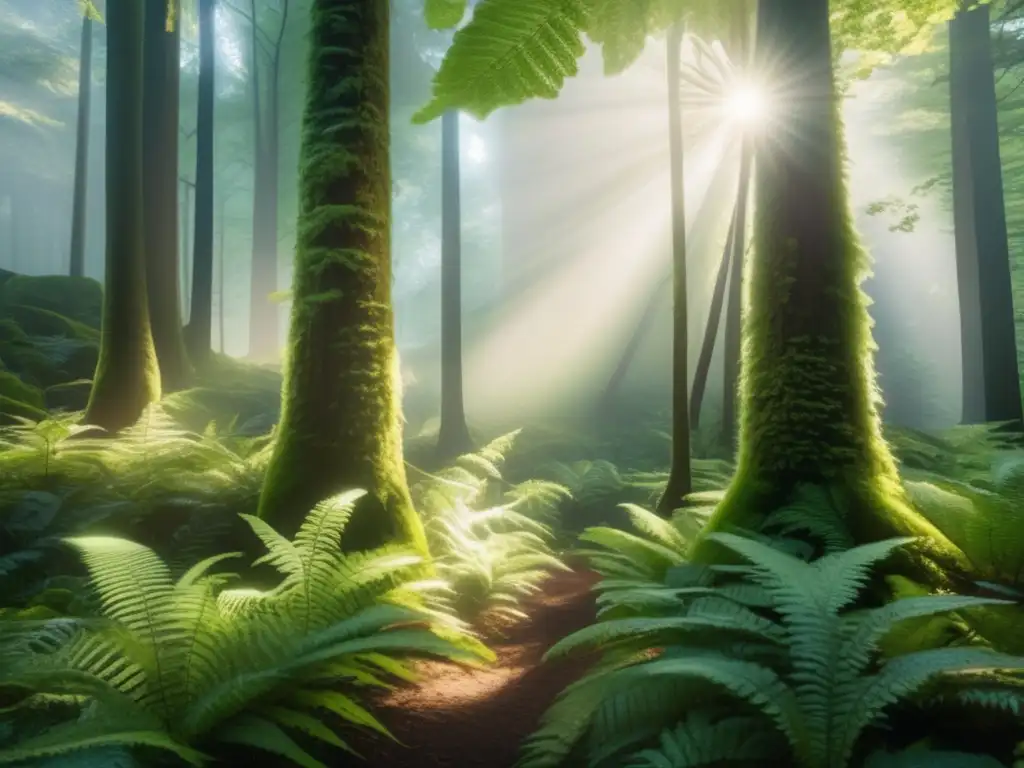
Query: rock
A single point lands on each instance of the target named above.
(32, 364)
(76, 298)
(10, 331)
(71, 396)
(15, 389)
(37, 321)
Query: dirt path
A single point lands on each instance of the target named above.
(461, 718)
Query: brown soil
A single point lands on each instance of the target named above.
(477, 718)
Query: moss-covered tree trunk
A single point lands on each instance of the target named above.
(453, 436)
(160, 189)
(127, 378)
(808, 411)
(76, 266)
(340, 416)
(733, 341)
(679, 479)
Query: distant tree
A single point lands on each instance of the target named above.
(340, 414)
(991, 378)
(127, 376)
(453, 436)
(265, 84)
(679, 479)
(198, 336)
(78, 219)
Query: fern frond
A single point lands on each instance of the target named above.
(701, 742)
(511, 51)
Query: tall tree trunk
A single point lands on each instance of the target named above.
(220, 273)
(679, 480)
(161, 52)
(453, 436)
(707, 349)
(200, 323)
(127, 376)
(340, 413)
(264, 312)
(991, 378)
(808, 411)
(187, 209)
(733, 342)
(78, 217)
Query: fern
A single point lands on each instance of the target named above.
(512, 51)
(700, 741)
(810, 666)
(491, 542)
(183, 663)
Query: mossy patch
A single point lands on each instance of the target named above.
(10, 331)
(76, 298)
(31, 364)
(36, 321)
(14, 388)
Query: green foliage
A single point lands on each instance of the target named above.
(444, 14)
(512, 50)
(183, 663)
(515, 50)
(490, 540)
(777, 648)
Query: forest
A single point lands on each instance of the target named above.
(512, 383)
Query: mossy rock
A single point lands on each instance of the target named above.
(10, 331)
(81, 363)
(71, 396)
(37, 321)
(77, 298)
(10, 408)
(14, 388)
(33, 365)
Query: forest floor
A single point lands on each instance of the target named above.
(477, 718)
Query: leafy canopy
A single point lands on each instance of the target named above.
(515, 50)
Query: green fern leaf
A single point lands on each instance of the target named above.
(901, 677)
(262, 734)
(444, 14)
(700, 742)
(345, 707)
(305, 723)
(511, 51)
(74, 737)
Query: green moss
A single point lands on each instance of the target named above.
(11, 331)
(340, 424)
(31, 364)
(15, 389)
(36, 321)
(78, 298)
